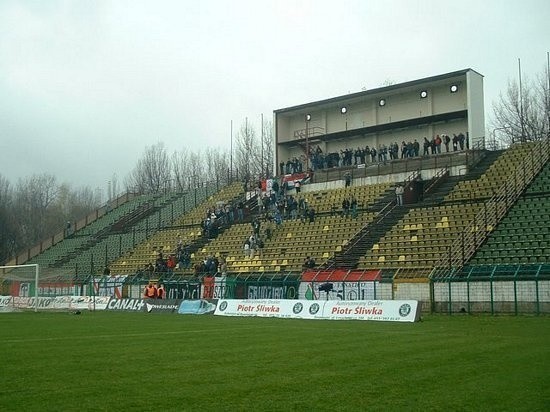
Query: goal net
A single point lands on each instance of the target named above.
(29, 287)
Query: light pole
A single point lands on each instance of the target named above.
(308, 119)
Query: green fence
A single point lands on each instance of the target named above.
(520, 288)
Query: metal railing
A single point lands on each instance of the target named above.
(382, 214)
(27, 254)
(448, 160)
(492, 212)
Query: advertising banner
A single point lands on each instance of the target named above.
(109, 285)
(273, 290)
(81, 302)
(196, 307)
(131, 305)
(161, 305)
(182, 290)
(55, 302)
(381, 310)
(343, 284)
(218, 287)
(363, 290)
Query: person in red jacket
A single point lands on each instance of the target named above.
(150, 291)
(161, 292)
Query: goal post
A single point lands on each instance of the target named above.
(20, 281)
(37, 287)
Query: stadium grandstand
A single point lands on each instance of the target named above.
(472, 232)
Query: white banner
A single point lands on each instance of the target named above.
(341, 290)
(55, 303)
(384, 310)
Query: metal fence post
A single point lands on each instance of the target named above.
(450, 297)
(492, 295)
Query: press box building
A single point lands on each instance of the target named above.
(450, 103)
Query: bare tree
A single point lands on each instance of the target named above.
(522, 116)
(34, 210)
(247, 152)
(217, 164)
(181, 169)
(8, 233)
(268, 146)
(152, 173)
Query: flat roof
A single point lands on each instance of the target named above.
(377, 91)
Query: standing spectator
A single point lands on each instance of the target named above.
(447, 139)
(437, 144)
(256, 226)
(297, 185)
(311, 214)
(150, 291)
(373, 154)
(432, 145)
(171, 263)
(347, 179)
(399, 194)
(345, 207)
(240, 211)
(426, 147)
(353, 205)
(246, 248)
(309, 263)
(160, 292)
(461, 139)
(260, 246)
(416, 148)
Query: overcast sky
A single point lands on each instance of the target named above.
(85, 86)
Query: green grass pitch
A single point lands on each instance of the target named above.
(108, 361)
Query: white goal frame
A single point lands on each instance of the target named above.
(36, 278)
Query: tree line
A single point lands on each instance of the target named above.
(39, 206)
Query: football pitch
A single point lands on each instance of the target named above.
(114, 361)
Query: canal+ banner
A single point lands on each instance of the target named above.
(382, 310)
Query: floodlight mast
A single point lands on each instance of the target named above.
(307, 118)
